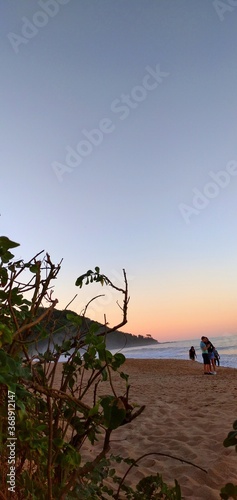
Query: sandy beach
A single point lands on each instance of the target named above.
(187, 415)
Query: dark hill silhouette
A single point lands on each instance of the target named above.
(62, 328)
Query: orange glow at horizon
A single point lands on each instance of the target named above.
(177, 309)
(176, 317)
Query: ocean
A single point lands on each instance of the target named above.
(225, 345)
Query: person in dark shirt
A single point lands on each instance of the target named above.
(192, 353)
(210, 348)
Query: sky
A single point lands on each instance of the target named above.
(118, 150)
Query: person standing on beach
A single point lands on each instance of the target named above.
(217, 356)
(205, 357)
(192, 353)
(210, 348)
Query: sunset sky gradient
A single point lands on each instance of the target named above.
(139, 194)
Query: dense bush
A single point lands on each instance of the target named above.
(46, 426)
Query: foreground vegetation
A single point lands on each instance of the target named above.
(46, 428)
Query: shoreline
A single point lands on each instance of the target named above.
(200, 362)
(176, 359)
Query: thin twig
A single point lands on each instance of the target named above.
(37, 320)
(157, 454)
(75, 296)
(83, 312)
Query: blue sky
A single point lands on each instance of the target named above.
(68, 66)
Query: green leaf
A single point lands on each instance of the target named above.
(71, 382)
(66, 345)
(104, 375)
(3, 358)
(94, 411)
(94, 327)
(118, 360)
(22, 410)
(231, 439)
(41, 427)
(68, 413)
(90, 277)
(79, 281)
(235, 425)
(3, 295)
(13, 366)
(5, 243)
(3, 276)
(124, 376)
(71, 457)
(43, 335)
(34, 268)
(114, 411)
(6, 257)
(108, 356)
(16, 296)
(48, 356)
(229, 491)
(74, 319)
(5, 334)
(58, 442)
